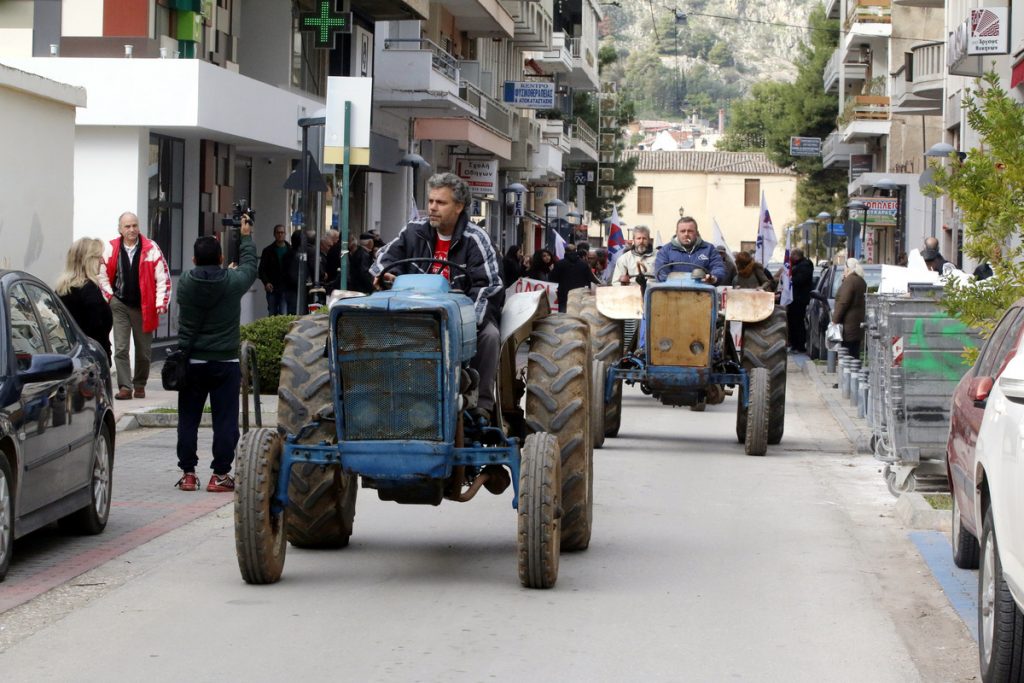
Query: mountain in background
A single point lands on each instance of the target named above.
(694, 57)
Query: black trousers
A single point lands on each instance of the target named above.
(797, 328)
(220, 381)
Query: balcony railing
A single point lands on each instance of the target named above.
(579, 130)
(865, 108)
(869, 12)
(440, 61)
(493, 113)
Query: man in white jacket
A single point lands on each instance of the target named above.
(636, 261)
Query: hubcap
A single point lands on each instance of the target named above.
(6, 514)
(987, 602)
(101, 478)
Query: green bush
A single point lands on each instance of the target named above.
(267, 335)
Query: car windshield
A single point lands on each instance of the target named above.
(872, 276)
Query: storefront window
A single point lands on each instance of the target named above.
(166, 192)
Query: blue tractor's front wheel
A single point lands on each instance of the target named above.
(259, 531)
(540, 511)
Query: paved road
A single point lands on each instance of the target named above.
(705, 565)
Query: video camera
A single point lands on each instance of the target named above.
(240, 208)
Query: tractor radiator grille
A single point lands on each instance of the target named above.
(390, 376)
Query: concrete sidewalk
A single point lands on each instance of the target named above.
(159, 408)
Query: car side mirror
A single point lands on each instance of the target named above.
(47, 367)
(979, 390)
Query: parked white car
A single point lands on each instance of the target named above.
(999, 502)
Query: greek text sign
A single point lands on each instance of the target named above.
(530, 95)
(480, 174)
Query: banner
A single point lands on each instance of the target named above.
(525, 284)
(766, 237)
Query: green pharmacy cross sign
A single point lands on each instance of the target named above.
(326, 24)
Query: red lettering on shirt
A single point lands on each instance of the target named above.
(441, 247)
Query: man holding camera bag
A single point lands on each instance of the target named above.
(209, 302)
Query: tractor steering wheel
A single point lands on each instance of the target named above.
(391, 266)
(689, 268)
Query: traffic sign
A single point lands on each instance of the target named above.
(579, 178)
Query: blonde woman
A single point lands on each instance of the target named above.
(78, 287)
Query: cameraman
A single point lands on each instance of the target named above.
(209, 302)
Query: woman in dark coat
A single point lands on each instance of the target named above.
(540, 265)
(78, 288)
(511, 267)
(849, 310)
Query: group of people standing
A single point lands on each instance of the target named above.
(124, 286)
(280, 265)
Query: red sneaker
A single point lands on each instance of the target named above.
(221, 484)
(188, 482)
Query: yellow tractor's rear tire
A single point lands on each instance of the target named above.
(558, 402)
(606, 344)
(321, 500)
(764, 346)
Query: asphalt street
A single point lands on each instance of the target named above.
(705, 565)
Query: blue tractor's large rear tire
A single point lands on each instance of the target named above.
(539, 528)
(606, 344)
(321, 500)
(764, 346)
(558, 395)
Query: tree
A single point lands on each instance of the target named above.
(656, 89)
(775, 111)
(988, 188)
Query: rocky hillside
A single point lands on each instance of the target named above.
(740, 41)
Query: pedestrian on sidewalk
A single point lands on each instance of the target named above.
(802, 278)
(137, 283)
(79, 288)
(850, 302)
(209, 302)
(272, 274)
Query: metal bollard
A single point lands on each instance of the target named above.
(863, 382)
(852, 371)
(832, 360)
(842, 375)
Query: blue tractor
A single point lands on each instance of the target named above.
(380, 390)
(691, 356)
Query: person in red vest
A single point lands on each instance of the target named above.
(137, 283)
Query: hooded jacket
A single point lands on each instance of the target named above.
(209, 306)
(702, 254)
(154, 278)
(470, 247)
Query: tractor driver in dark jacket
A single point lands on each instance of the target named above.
(688, 248)
(449, 235)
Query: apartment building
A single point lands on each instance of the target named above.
(193, 105)
(887, 74)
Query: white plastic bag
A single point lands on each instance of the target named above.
(834, 334)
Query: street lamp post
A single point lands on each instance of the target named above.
(807, 225)
(416, 162)
(940, 150)
(573, 217)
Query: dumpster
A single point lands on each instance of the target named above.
(914, 349)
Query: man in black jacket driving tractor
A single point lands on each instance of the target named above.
(449, 235)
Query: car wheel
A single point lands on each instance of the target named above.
(92, 519)
(1000, 622)
(6, 516)
(965, 545)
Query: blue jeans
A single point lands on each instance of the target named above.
(220, 381)
(278, 303)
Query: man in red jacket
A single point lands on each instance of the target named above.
(137, 283)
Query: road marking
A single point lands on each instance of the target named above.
(959, 585)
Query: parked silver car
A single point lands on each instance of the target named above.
(56, 419)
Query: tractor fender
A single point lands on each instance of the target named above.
(747, 305)
(520, 311)
(620, 303)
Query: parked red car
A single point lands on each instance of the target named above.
(966, 414)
